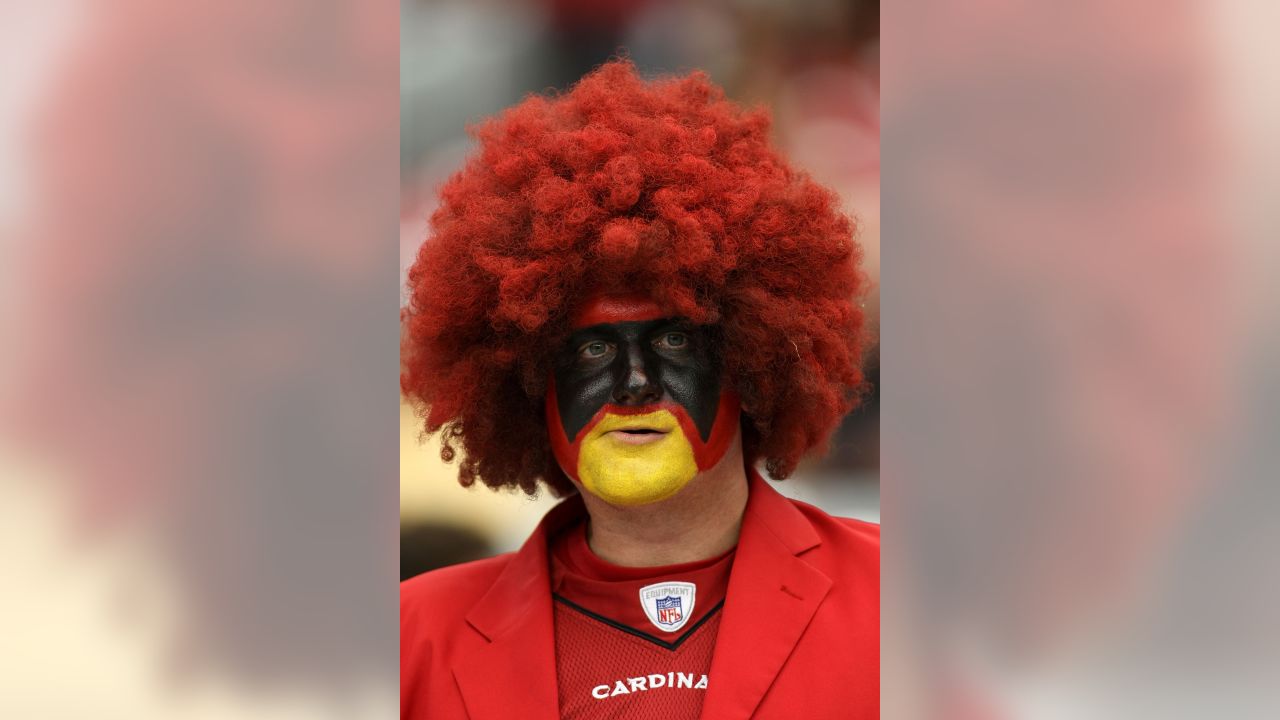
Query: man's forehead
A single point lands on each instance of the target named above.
(615, 308)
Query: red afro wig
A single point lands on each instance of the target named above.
(662, 187)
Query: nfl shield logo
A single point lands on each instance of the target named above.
(669, 611)
(668, 605)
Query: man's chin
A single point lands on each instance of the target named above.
(627, 474)
(630, 484)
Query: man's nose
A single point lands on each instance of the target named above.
(637, 384)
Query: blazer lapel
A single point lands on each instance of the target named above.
(511, 671)
(772, 596)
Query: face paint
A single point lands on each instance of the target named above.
(635, 407)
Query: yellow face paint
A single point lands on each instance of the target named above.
(627, 473)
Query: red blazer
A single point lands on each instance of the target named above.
(799, 637)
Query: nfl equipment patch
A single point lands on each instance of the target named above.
(668, 605)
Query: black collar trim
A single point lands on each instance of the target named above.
(642, 635)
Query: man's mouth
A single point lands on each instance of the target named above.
(636, 428)
(637, 436)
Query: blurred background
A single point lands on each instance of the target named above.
(198, 359)
(1080, 381)
(199, 337)
(815, 63)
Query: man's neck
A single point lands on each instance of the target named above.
(699, 522)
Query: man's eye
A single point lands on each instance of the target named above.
(594, 349)
(673, 340)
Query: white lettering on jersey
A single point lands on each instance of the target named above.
(644, 683)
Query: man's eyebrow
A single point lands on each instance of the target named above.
(594, 331)
(611, 330)
(681, 323)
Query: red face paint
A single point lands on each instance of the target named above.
(609, 309)
(705, 453)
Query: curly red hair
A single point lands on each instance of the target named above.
(664, 187)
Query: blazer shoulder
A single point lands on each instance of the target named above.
(856, 536)
(445, 595)
(849, 554)
(866, 532)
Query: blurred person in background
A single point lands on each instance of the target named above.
(429, 546)
(629, 298)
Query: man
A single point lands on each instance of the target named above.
(629, 297)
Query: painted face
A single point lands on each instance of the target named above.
(636, 406)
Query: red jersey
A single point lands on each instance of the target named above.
(633, 642)
(798, 635)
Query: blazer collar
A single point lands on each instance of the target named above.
(515, 618)
(515, 593)
(768, 509)
(767, 572)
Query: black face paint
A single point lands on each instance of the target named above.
(638, 363)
